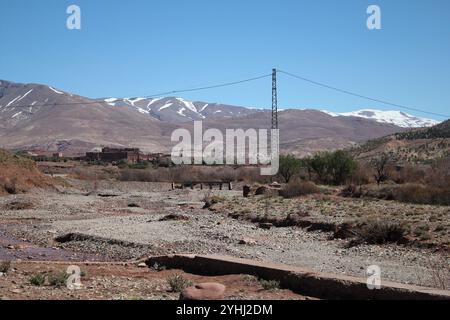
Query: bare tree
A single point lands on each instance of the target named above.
(380, 164)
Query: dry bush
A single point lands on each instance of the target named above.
(408, 174)
(440, 272)
(210, 200)
(380, 232)
(191, 174)
(422, 194)
(5, 266)
(151, 175)
(92, 173)
(439, 175)
(352, 191)
(9, 185)
(362, 175)
(250, 175)
(19, 205)
(299, 188)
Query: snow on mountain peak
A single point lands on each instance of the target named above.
(397, 118)
(200, 110)
(188, 104)
(55, 91)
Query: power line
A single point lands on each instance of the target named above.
(362, 96)
(209, 87)
(227, 84)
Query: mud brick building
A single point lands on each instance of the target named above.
(114, 155)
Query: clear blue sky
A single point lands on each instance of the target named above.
(139, 47)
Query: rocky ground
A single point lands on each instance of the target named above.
(124, 221)
(124, 282)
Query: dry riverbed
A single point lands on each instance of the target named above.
(122, 221)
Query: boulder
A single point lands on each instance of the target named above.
(204, 291)
(261, 191)
(275, 185)
(265, 225)
(174, 217)
(246, 191)
(247, 241)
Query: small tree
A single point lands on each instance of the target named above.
(318, 165)
(380, 164)
(289, 167)
(332, 167)
(340, 166)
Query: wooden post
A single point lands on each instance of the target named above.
(230, 186)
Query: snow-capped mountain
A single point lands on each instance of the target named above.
(42, 117)
(175, 110)
(397, 118)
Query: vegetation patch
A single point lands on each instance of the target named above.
(5, 266)
(299, 188)
(19, 205)
(269, 285)
(178, 283)
(38, 279)
(379, 232)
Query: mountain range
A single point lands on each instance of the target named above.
(42, 118)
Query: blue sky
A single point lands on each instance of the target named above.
(140, 47)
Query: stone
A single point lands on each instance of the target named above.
(275, 185)
(246, 191)
(174, 217)
(247, 241)
(142, 265)
(266, 225)
(261, 191)
(16, 291)
(204, 291)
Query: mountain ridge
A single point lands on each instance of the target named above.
(41, 117)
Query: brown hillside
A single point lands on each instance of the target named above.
(18, 174)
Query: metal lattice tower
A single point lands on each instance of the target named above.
(274, 100)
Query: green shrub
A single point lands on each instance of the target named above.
(332, 167)
(38, 279)
(289, 167)
(58, 279)
(178, 283)
(269, 284)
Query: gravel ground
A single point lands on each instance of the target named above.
(122, 221)
(125, 282)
